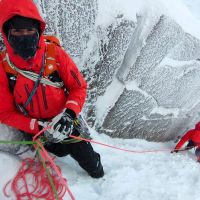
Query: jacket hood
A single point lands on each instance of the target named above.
(25, 8)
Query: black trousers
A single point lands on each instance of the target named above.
(82, 152)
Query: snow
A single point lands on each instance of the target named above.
(131, 176)
(164, 111)
(142, 176)
(176, 63)
(128, 176)
(115, 88)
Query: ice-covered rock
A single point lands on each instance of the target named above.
(159, 80)
(10, 134)
(112, 52)
(71, 21)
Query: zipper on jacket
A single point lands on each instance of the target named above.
(44, 96)
(28, 94)
(75, 77)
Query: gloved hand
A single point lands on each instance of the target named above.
(174, 151)
(43, 124)
(190, 145)
(61, 126)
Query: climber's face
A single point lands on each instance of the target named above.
(21, 32)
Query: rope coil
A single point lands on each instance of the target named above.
(38, 178)
(32, 182)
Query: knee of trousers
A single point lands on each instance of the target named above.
(57, 149)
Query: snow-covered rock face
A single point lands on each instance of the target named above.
(146, 81)
(142, 71)
(160, 84)
(72, 21)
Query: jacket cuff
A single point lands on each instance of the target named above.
(71, 113)
(34, 126)
(74, 106)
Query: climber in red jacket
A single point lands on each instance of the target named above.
(40, 85)
(192, 137)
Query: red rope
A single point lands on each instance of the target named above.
(49, 159)
(121, 149)
(32, 180)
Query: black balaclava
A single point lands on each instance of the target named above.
(24, 45)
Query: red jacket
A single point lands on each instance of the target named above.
(193, 135)
(47, 101)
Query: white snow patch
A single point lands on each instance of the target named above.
(166, 111)
(104, 103)
(176, 63)
(132, 85)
